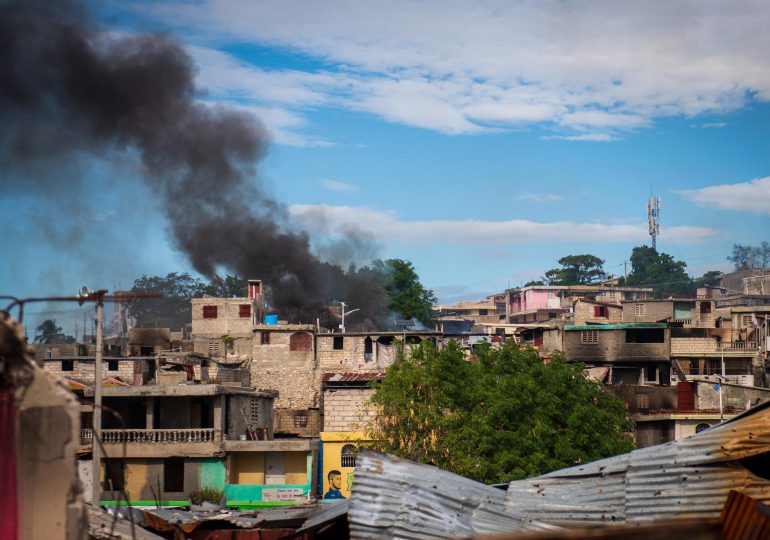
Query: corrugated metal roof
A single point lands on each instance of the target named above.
(353, 377)
(621, 326)
(682, 479)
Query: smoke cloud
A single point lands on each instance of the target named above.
(68, 89)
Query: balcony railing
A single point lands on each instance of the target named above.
(740, 345)
(118, 436)
(684, 322)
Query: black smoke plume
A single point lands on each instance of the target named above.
(67, 88)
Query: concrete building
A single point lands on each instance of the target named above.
(538, 303)
(696, 312)
(170, 441)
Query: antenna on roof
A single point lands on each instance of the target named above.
(653, 219)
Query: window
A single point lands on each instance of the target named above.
(244, 311)
(209, 312)
(173, 474)
(705, 307)
(600, 311)
(264, 338)
(651, 374)
(589, 336)
(114, 477)
(701, 427)
(645, 335)
(300, 420)
(639, 310)
(112, 365)
(68, 365)
(348, 456)
(483, 311)
(213, 347)
(551, 315)
(612, 294)
(745, 321)
(339, 343)
(300, 341)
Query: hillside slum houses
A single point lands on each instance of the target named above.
(271, 414)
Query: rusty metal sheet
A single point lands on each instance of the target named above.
(683, 479)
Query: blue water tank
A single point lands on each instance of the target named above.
(271, 318)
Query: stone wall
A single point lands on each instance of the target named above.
(693, 345)
(733, 396)
(83, 370)
(612, 346)
(297, 422)
(345, 409)
(585, 311)
(228, 319)
(653, 311)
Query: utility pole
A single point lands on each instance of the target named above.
(344, 313)
(653, 219)
(96, 449)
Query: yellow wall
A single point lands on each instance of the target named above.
(332, 448)
(136, 475)
(247, 468)
(296, 468)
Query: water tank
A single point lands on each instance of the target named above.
(271, 318)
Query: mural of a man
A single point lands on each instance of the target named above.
(335, 483)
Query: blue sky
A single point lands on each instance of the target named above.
(482, 141)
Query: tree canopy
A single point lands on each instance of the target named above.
(577, 270)
(750, 256)
(173, 310)
(406, 295)
(660, 271)
(502, 417)
(48, 332)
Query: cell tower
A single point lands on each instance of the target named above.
(653, 218)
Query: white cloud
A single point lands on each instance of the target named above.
(335, 185)
(538, 197)
(714, 125)
(752, 196)
(386, 226)
(456, 67)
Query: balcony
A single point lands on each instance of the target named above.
(196, 435)
(740, 346)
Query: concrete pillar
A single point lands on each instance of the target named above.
(150, 413)
(219, 413)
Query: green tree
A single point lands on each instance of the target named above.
(534, 282)
(660, 271)
(503, 417)
(750, 256)
(227, 287)
(577, 270)
(406, 295)
(710, 278)
(48, 332)
(173, 310)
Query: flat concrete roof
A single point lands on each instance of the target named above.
(276, 445)
(183, 390)
(619, 326)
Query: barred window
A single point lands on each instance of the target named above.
(300, 420)
(589, 336)
(254, 411)
(639, 310)
(348, 456)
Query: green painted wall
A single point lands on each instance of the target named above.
(212, 474)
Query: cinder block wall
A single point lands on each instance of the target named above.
(83, 370)
(346, 409)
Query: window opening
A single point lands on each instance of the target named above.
(68, 365)
(173, 474)
(339, 343)
(639, 310)
(264, 338)
(244, 311)
(209, 312)
(112, 365)
(589, 336)
(701, 427)
(348, 455)
(645, 335)
(114, 476)
(300, 420)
